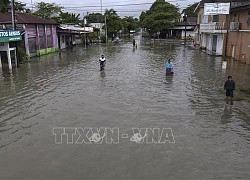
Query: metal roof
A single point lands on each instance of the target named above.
(24, 18)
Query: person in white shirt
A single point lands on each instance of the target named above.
(102, 61)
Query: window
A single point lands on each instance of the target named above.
(215, 18)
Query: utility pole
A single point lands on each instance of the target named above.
(13, 20)
(185, 19)
(85, 40)
(106, 29)
(101, 6)
(228, 26)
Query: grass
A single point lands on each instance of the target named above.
(242, 93)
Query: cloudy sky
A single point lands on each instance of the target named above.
(123, 7)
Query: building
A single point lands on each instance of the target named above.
(71, 34)
(7, 38)
(239, 33)
(178, 31)
(211, 31)
(224, 34)
(99, 27)
(39, 35)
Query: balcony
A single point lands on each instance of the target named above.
(214, 27)
(235, 26)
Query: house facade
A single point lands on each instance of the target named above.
(39, 35)
(211, 31)
(239, 34)
(178, 31)
(70, 34)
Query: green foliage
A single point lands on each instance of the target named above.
(103, 39)
(160, 17)
(114, 23)
(4, 6)
(68, 18)
(129, 23)
(95, 18)
(189, 11)
(21, 7)
(47, 10)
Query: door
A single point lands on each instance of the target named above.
(214, 45)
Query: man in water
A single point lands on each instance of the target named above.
(102, 61)
(169, 68)
(134, 43)
(229, 86)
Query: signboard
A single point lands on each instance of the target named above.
(9, 35)
(216, 8)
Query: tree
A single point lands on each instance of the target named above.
(4, 6)
(47, 10)
(95, 18)
(189, 11)
(68, 18)
(129, 23)
(114, 23)
(21, 7)
(160, 17)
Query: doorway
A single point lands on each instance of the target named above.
(214, 45)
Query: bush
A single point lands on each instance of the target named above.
(103, 39)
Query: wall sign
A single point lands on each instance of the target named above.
(9, 35)
(216, 8)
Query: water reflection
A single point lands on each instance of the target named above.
(227, 114)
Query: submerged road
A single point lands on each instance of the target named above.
(66, 89)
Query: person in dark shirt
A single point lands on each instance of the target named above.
(229, 87)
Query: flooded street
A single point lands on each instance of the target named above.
(66, 89)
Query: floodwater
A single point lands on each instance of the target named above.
(66, 89)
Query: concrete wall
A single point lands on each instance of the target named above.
(207, 43)
(240, 40)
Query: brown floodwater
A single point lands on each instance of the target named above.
(66, 89)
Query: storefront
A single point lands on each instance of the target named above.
(6, 37)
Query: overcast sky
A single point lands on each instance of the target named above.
(123, 7)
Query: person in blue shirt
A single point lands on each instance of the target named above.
(169, 68)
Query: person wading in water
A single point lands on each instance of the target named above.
(229, 87)
(102, 61)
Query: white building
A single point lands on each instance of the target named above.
(70, 34)
(211, 30)
(98, 26)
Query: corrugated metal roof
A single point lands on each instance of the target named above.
(24, 18)
(77, 28)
